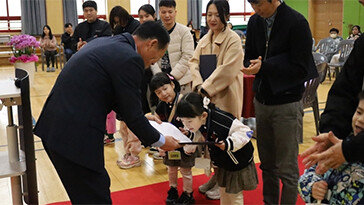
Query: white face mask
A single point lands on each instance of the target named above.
(333, 35)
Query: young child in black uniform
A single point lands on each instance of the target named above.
(232, 152)
(167, 89)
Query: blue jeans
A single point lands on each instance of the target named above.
(69, 52)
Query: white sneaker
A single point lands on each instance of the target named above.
(208, 185)
(53, 69)
(213, 193)
(48, 69)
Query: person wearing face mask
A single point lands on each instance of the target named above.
(278, 51)
(334, 34)
(91, 28)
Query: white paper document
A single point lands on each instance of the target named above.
(167, 129)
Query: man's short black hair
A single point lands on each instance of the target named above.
(67, 24)
(153, 30)
(257, 1)
(167, 3)
(89, 4)
(335, 30)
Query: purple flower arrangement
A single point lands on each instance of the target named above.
(24, 48)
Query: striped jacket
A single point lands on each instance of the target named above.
(238, 152)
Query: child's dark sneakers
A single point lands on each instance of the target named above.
(172, 196)
(186, 198)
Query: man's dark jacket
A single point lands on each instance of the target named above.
(288, 63)
(67, 41)
(89, 31)
(342, 102)
(104, 75)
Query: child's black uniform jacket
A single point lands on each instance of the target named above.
(238, 152)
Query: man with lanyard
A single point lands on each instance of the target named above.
(278, 52)
(91, 28)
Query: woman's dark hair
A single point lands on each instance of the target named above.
(223, 9)
(50, 32)
(153, 30)
(121, 13)
(147, 8)
(160, 79)
(191, 105)
(357, 26)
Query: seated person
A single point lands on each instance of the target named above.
(344, 185)
(49, 45)
(67, 40)
(355, 33)
(334, 34)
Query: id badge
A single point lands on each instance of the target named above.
(174, 155)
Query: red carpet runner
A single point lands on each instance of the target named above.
(157, 193)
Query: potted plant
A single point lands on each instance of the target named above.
(24, 53)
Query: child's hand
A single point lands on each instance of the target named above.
(184, 131)
(319, 190)
(189, 149)
(221, 145)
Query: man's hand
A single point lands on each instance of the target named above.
(153, 118)
(331, 158)
(80, 44)
(170, 144)
(254, 67)
(328, 153)
(322, 144)
(319, 190)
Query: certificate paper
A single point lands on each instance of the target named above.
(167, 129)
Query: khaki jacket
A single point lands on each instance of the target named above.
(225, 84)
(180, 51)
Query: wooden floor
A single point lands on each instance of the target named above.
(151, 171)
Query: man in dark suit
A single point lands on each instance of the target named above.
(104, 75)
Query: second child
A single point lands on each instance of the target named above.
(232, 152)
(167, 89)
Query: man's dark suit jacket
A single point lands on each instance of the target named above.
(288, 60)
(104, 75)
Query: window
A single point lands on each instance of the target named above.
(101, 10)
(10, 16)
(135, 5)
(240, 12)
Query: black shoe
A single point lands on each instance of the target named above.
(172, 196)
(186, 198)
